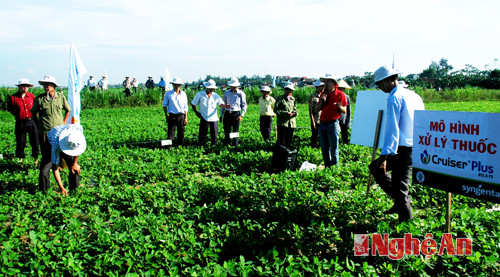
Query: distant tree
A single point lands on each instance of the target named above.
(444, 67)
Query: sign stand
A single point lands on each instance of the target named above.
(448, 212)
(375, 147)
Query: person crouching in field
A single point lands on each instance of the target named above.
(315, 112)
(208, 100)
(175, 106)
(67, 142)
(19, 105)
(396, 154)
(345, 118)
(266, 104)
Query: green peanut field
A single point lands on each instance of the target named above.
(143, 210)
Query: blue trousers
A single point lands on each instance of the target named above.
(329, 141)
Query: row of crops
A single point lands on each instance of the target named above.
(216, 211)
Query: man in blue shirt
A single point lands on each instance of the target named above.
(207, 100)
(396, 154)
(175, 106)
(236, 102)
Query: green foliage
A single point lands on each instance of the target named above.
(147, 211)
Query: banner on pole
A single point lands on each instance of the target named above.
(75, 84)
(458, 152)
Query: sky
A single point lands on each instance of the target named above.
(225, 38)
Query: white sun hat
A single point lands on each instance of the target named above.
(328, 77)
(234, 82)
(290, 85)
(343, 84)
(48, 79)
(384, 72)
(210, 84)
(72, 142)
(176, 81)
(318, 83)
(266, 88)
(24, 82)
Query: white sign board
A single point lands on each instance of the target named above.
(458, 152)
(368, 103)
(234, 135)
(166, 142)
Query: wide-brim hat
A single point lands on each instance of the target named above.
(24, 82)
(48, 79)
(382, 73)
(290, 86)
(210, 84)
(176, 81)
(327, 77)
(72, 142)
(266, 89)
(343, 84)
(234, 83)
(318, 83)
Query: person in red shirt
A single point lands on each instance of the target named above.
(19, 105)
(333, 103)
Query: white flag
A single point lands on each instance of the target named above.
(168, 79)
(75, 84)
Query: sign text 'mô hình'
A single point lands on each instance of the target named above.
(458, 152)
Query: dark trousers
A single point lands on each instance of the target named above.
(285, 136)
(176, 121)
(127, 92)
(23, 127)
(46, 165)
(203, 131)
(231, 124)
(344, 131)
(314, 135)
(396, 185)
(266, 125)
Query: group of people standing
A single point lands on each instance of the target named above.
(41, 117)
(102, 84)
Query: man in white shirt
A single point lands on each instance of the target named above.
(207, 100)
(235, 98)
(91, 83)
(175, 106)
(396, 154)
(103, 83)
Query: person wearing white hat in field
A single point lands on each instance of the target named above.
(345, 118)
(315, 111)
(236, 103)
(19, 105)
(208, 101)
(67, 142)
(135, 84)
(49, 107)
(286, 113)
(332, 105)
(150, 84)
(127, 85)
(162, 84)
(103, 83)
(396, 153)
(266, 111)
(175, 107)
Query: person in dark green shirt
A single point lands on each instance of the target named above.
(286, 112)
(47, 112)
